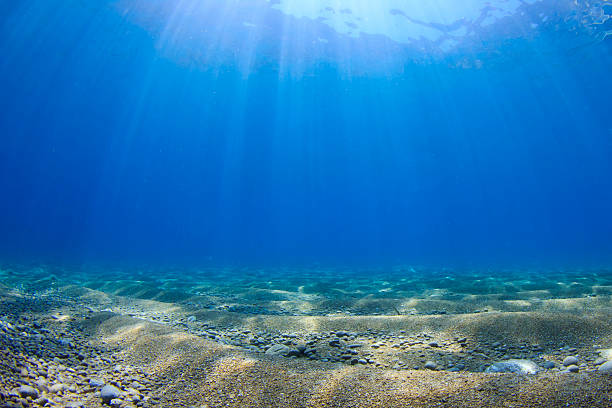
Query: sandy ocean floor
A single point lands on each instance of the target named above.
(92, 340)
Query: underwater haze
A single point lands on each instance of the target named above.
(287, 132)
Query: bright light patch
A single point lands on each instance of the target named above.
(404, 21)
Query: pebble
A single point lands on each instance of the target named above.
(109, 392)
(571, 360)
(599, 361)
(279, 350)
(41, 401)
(27, 391)
(115, 402)
(55, 388)
(96, 383)
(430, 365)
(514, 366)
(74, 405)
(573, 368)
(605, 367)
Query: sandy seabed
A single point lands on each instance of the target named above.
(62, 346)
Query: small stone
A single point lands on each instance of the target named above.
(27, 391)
(293, 353)
(115, 402)
(430, 365)
(41, 401)
(605, 367)
(549, 365)
(96, 382)
(599, 361)
(514, 366)
(573, 368)
(55, 388)
(433, 344)
(571, 360)
(278, 350)
(109, 392)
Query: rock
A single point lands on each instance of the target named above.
(599, 361)
(605, 367)
(278, 350)
(27, 391)
(109, 392)
(41, 384)
(548, 365)
(433, 344)
(430, 365)
(573, 368)
(293, 353)
(55, 388)
(116, 402)
(335, 343)
(41, 401)
(514, 366)
(96, 382)
(74, 405)
(571, 360)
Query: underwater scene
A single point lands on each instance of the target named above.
(305, 203)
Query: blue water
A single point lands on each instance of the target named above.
(242, 132)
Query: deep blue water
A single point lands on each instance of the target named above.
(172, 132)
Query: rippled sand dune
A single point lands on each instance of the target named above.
(66, 344)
